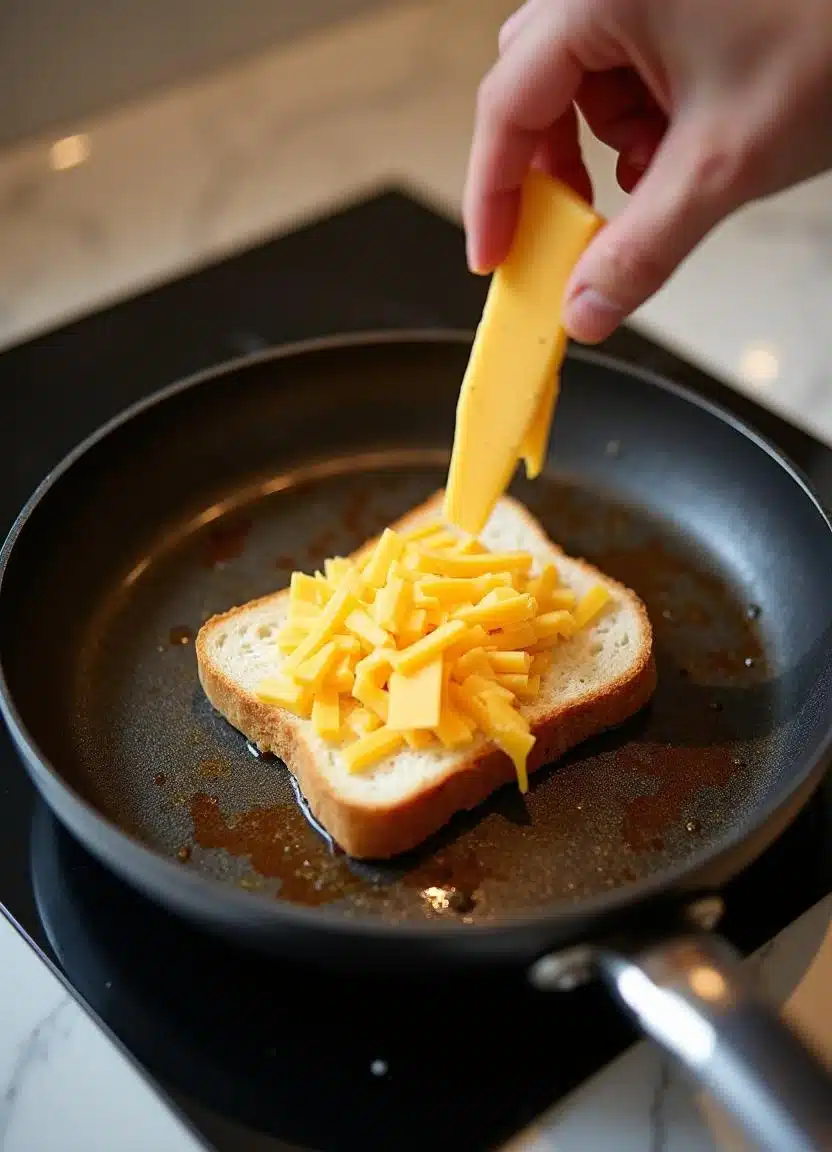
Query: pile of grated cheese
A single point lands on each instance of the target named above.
(426, 639)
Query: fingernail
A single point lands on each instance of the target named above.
(589, 316)
(476, 264)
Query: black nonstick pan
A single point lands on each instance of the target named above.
(213, 491)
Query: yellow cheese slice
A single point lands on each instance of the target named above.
(536, 441)
(304, 589)
(517, 351)
(326, 715)
(416, 700)
(388, 550)
(372, 747)
(503, 614)
(473, 565)
(473, 662)
(510, 663)
(433, 644)
(590, 605)
(336, 611)
(453, 730)
(314, 671)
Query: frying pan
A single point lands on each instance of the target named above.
(212, 491)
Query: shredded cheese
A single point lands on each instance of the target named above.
(425, 640)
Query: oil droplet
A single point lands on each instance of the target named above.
(667, 614)
(226, 541)
(160, 778)
(303, 805)
(738, 762)
(253, 750)
(693, 826)
(179, 635)
(461, 902)
(754, 612)
(184, 854)
(213, 769)
(251, 883)
(379, 1067)
(749, 662)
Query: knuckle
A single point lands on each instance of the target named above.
(633, 267)
(490, 97)
(725, 169)
(505, 35)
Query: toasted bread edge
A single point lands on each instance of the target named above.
(380, 832)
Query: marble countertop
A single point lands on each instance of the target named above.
(152, 189)
(65, 1084)
(149, 191)
(641, 1101)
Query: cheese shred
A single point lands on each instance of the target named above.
(427, 641)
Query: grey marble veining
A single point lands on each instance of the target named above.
(643, 1103)
(65, 1086)
(45, 1031)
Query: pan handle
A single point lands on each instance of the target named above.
(691, 995)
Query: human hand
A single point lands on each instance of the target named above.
(708, 104)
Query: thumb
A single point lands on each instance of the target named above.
(691, 184)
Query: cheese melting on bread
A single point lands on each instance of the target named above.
(426, 639)
(381, 787)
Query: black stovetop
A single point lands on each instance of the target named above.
(259, 1054)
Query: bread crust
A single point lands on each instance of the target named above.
(369, 831)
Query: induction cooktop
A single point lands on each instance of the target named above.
(264, 1055)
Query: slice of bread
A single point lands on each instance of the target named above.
(598, 679)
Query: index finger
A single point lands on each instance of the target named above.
(528, 90)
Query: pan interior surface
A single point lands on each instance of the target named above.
(203, 505)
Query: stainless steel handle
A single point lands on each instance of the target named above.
(691, 995)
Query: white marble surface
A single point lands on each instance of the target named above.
(151, 190)
(196, 173)
(641, 1102)
(65, 1086)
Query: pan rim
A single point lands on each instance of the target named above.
(152, 871)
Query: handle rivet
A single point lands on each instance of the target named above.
(706, 913)
(563, 971)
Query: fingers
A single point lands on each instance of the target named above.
(518, 20)
(628, 175)
(525, 94)
(687, 190)
(559, 154)
(621, 112)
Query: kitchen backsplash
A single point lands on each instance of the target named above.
(61, 62)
